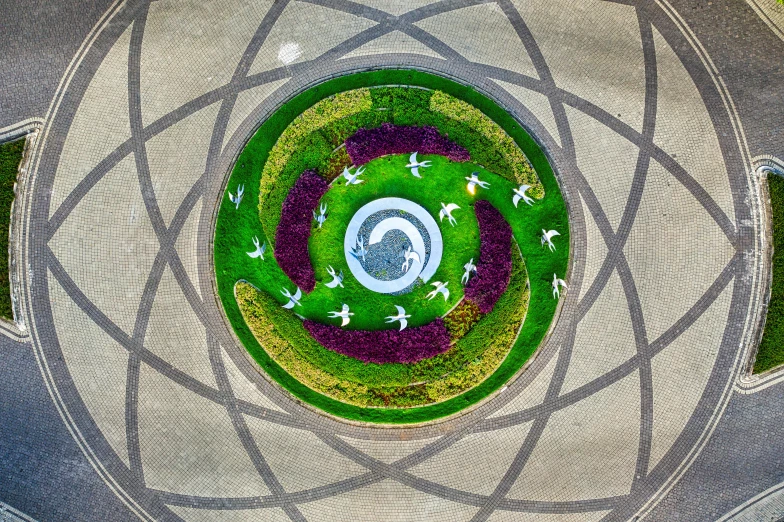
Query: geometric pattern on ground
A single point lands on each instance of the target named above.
(651, 335)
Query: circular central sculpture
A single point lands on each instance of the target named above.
(388, 252)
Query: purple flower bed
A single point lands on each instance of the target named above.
(383, 346)
(495, 258)
(368, 144)
(291, 238)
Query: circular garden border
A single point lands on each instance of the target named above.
(537, 323)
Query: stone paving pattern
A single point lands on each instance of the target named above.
(627, 411)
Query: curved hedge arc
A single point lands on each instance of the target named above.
(551, 213)
(314, 139)
(471, 358)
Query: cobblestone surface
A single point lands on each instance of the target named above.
(614, 417)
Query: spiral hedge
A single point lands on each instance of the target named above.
(436, 366)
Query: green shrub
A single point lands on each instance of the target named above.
(10, 157)
(771, 349)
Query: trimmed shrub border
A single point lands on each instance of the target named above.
(294, 229)
(314, 139)
(495, 260)
(470, 360)
(249, 166)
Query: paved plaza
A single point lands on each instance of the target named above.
(124, 395)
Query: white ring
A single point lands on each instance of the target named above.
(394, 223)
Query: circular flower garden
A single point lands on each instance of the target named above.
(391, 247)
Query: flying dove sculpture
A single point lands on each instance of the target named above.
(401, 316)
(415, 165)
(337, 279)
(322, 216)
(353, 179)
(259, 252)
(408, 256)
(359, 250)
(236, 199)
(293, 299)
(519, 193)
(557, 285)
(343, 314)
(547, 237)
(474, 180)
(468, 267)
(446, 212)
(440, 289)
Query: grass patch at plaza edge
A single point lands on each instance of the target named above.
(771, 349)
(247, 171)
(10, 157)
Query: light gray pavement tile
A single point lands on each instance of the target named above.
(533, 394)
(298, 458)
(595, 250)
(97, 364)
(188, 444)
(466, 30)
(684, 129)
(244, 389)
(674, 249)
(681, 372)
(508, 516)
(191, 47)
(246, 102)
(100, 124)
(364, 504)
(476, 463)
(175, 333)
(603, 64)
(388, 451)
(178, 157)
(394, 42)
(604, 338)
(396, 7)
(107, 244)
(537, 103)
(772, 13)
(607, 161)
(315, 29)
(588, 450)
(187, 245)
(230, 515)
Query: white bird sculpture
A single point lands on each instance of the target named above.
(322, 217)
(259, 252)
(401, 316)
(557, 284)
(468, 267)
(236, 199)
(293, 299)
(446, 212)
(343, 314)
(474, 180)
(547, 237)
(440, 289)
(519, 193)
(337, 279)
(408, 256)
(414, 165)
(359, 250)
(351, 179)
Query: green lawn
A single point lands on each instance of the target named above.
(10, 157)
(771, 350)
(234, 230)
